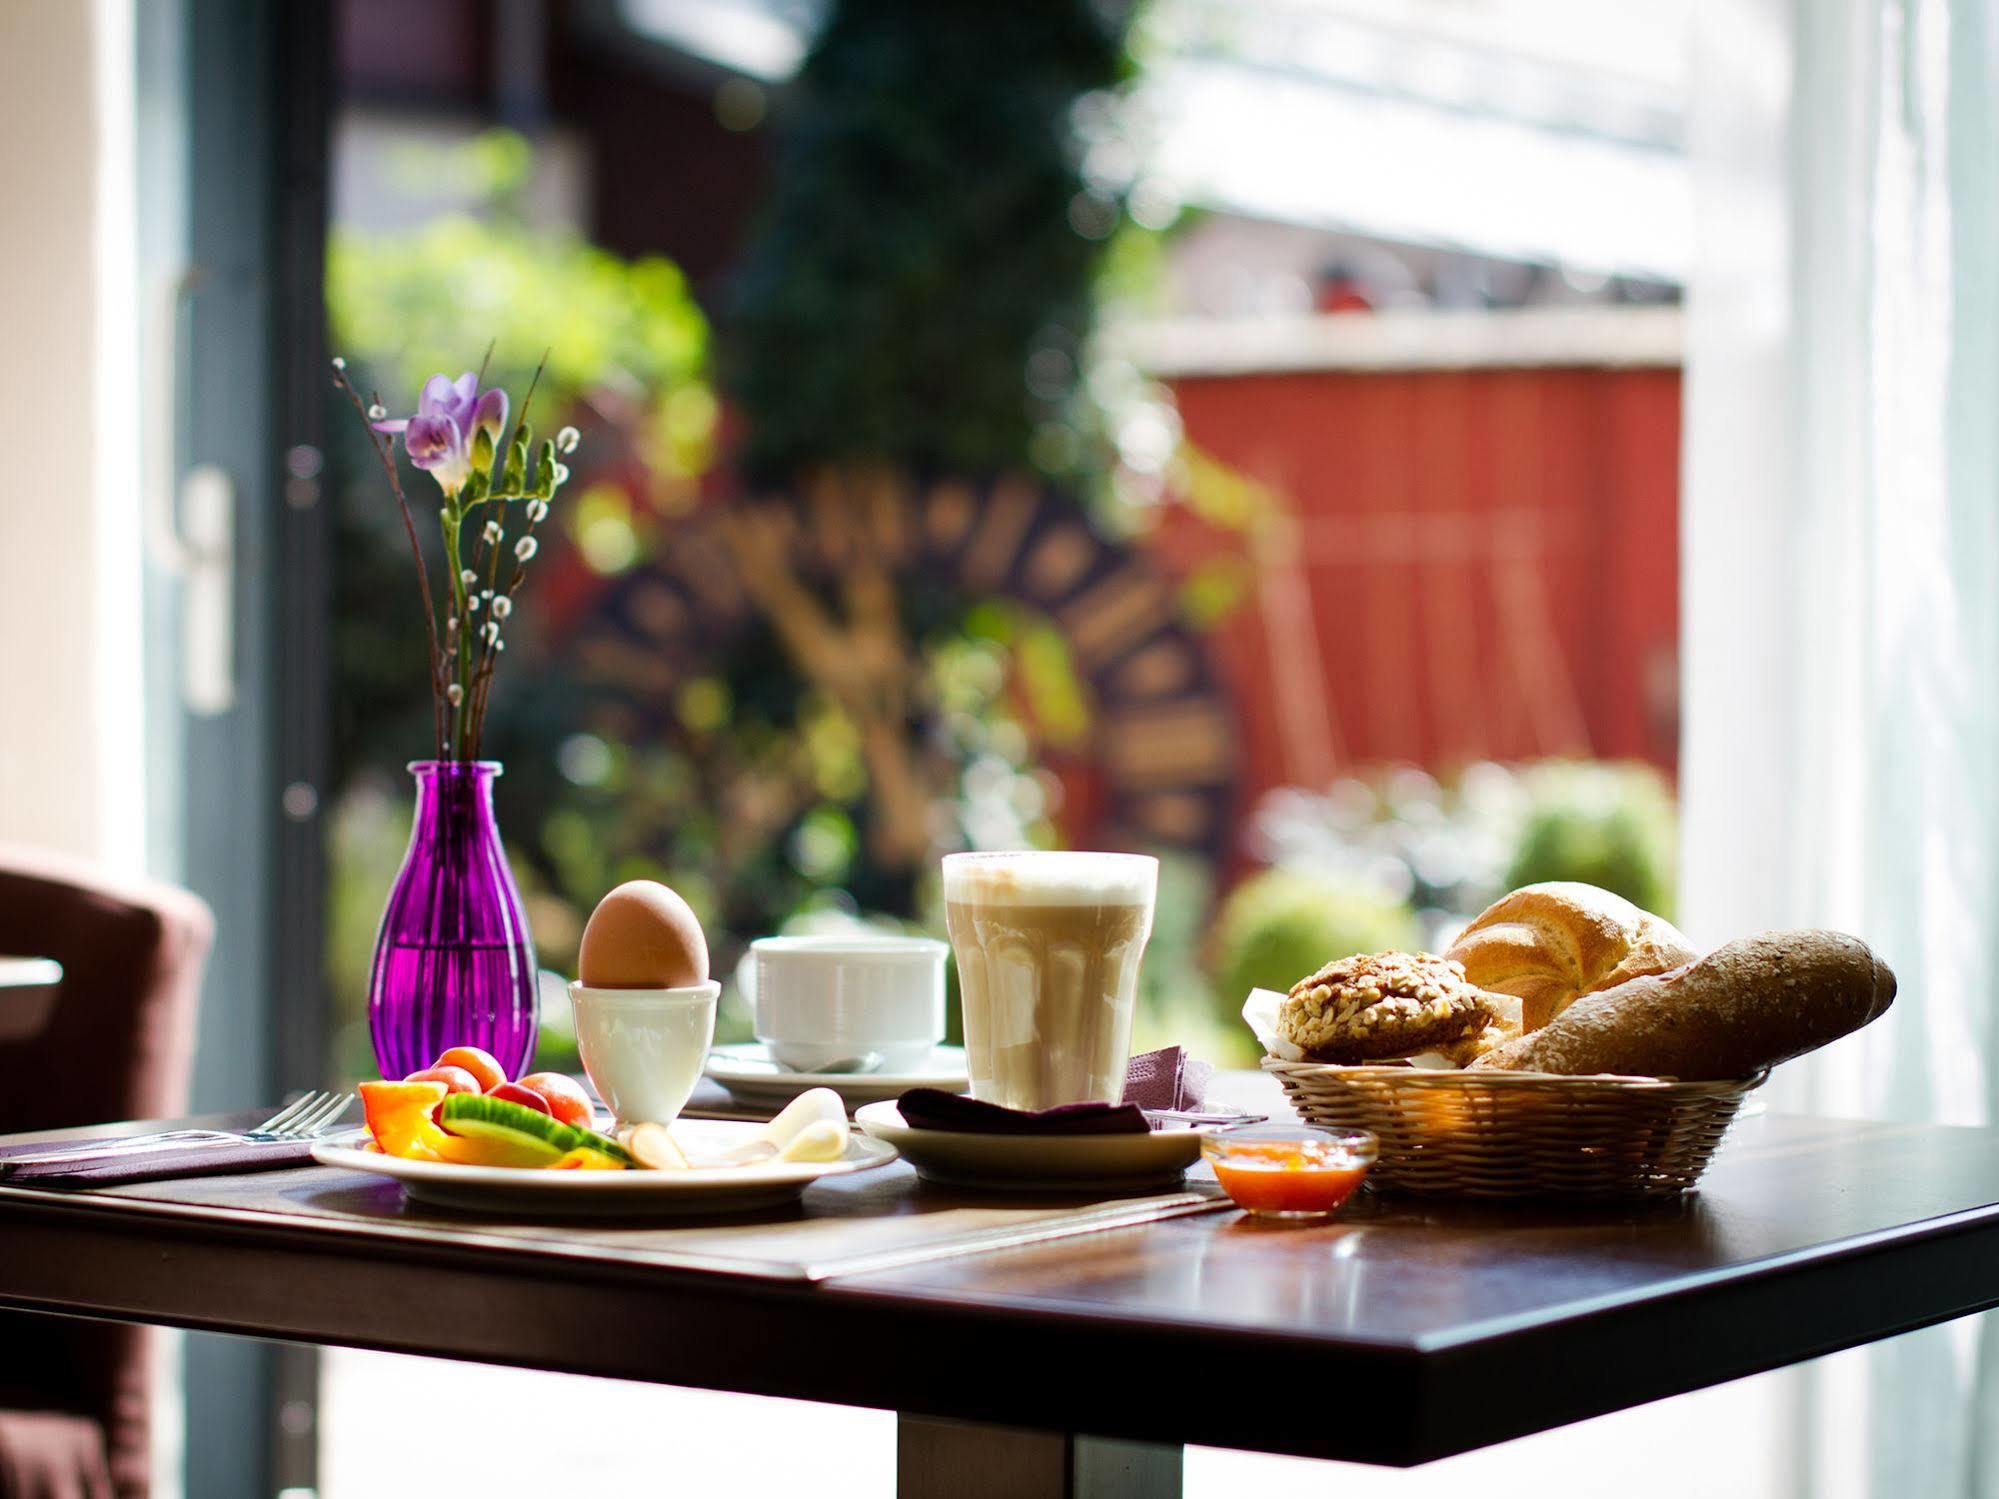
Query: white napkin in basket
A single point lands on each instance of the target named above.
(1259, 1012)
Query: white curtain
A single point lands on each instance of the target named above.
(1841, 602)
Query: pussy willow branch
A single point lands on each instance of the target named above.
(385, 451)
(484, 678)
(482, 671)
(481, 689)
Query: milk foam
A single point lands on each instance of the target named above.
(1051, 879)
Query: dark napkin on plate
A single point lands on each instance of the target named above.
(933, 1108)
(1164, 1079)
(156, 1164)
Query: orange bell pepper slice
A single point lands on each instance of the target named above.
(398, 1116)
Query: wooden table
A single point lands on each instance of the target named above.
(1079, 1366)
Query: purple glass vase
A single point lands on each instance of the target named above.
(454, 964)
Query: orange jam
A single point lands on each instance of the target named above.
(1289, 1177)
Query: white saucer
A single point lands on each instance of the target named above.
(1026, 1163)
(753, 1079)
(614, 1194)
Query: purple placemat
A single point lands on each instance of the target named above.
(145, 1165)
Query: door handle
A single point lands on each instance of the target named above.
(190, 524)
(208, 589)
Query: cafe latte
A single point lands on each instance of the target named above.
(1048, 948)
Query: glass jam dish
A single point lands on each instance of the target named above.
(1290, 1172)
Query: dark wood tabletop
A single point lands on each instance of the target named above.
(1453, 1324)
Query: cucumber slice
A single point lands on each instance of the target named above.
(538, 1139)
(473, 1115)
(604, 1145)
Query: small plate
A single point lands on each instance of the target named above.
(1028, 1163)
(614, 1194)
(752, 1078)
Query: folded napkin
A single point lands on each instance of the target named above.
(145, 1165)
(932, 1108)
(1164, 1079)
(1167, 1079)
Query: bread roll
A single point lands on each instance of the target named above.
(1548, 944)
(1375, 1007)
(1748, 1005)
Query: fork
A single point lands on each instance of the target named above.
(302, 1118)
(1202, 1116)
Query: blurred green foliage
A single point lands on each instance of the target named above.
(1613, 824)
(1279, 925)
(921, 289)
(1175, 1007)
(413, 303)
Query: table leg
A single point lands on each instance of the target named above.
(969, 1460)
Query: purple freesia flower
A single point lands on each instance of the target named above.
(448, 414)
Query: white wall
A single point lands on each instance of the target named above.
(69, 690)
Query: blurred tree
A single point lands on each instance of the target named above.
(917, 299)
(1608, 823)
(921, 287)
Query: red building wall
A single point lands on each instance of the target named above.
(1450, 564)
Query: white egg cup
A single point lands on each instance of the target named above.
(825, 1000)
(644, 1048)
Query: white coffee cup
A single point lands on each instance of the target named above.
(824, 1001)
(644, 1048)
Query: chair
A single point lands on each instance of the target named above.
(118, 1043)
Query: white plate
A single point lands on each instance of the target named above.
(1023, 1163)
(718, 1189)
(752, 1078)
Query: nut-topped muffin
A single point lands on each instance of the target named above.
(1375, 1007)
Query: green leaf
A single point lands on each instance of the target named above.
(544, 478)
(482, 452)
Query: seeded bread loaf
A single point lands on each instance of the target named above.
(1748, 1005)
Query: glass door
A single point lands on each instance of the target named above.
(231, 118)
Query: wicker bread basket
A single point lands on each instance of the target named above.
(1520, 1134)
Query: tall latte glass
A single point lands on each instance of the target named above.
(1048, 947)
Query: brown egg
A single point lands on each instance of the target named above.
(642, 936)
